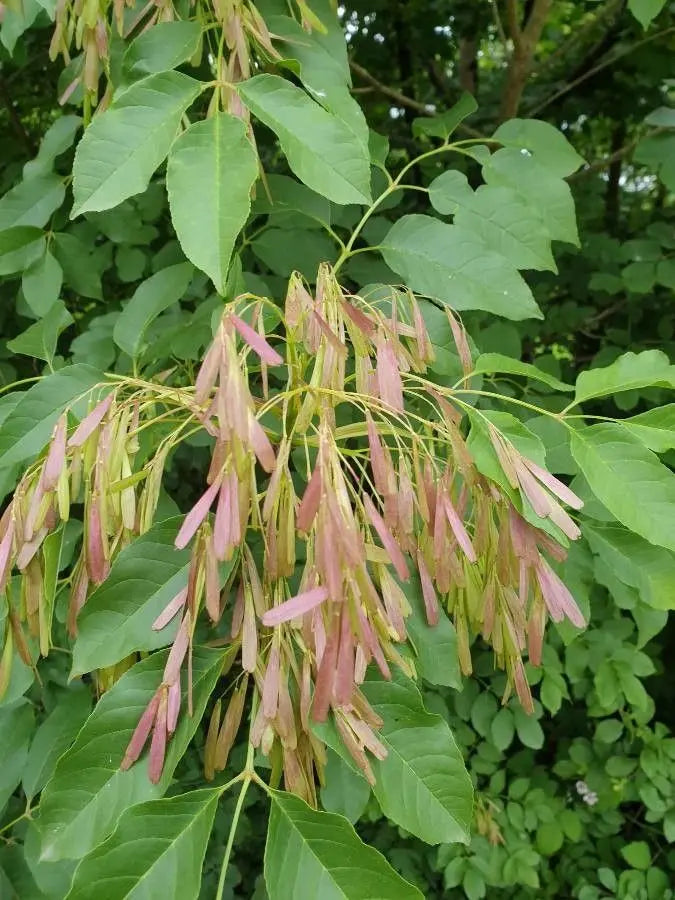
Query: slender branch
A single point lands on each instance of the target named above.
(512, 21)
(390, 92)
(402, 100)
(607, 161)
(600, 66)
(498, 22)
(613, 157)
(579, 35)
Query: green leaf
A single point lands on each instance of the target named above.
(28, 427)
(284, 250)
(211, 169)
(528, 729)
(669, 826)
(496, 363)
(655, 428)
(345, 791)
(636, 562)
(286, 195)
(473, 884)
(319, 68)
(322, 71)
(163, 47)
(483, 712)
(646, 10)
(88, 792)
(19, 247)
(122, 147)
(629, 480)
(443, 125)
(117, 618)
(55, 734)
(81, 268)
(434, 646)
(449, 192)
(150, 298)
(448, 263)
(531, 179)
(637, 854)
(609, 731)
(639, 277)
(156, 850)
(503, 729)
(39, 340)
(41, 283)
(318, 854)
(548, 144)
(662, 116)
(318, 147)
(18, 16)
(31, 202)
(571, 824)
(51, 878)
(422, 784)
(549, 838)
(498, 216)
(22, 677)
(58, 138)
(629, 372)
(16, 726)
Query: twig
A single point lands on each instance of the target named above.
(613, 157)
(402, 99)
(600, 66)
(579, 35)
(498, 22)
(390, 92)
(512, 21)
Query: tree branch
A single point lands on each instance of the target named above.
(579, 35)
(600, 66)
(392, 93)
(607, 161)
(524, 46)
(512, 21)
(402, 100)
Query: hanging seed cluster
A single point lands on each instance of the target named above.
(86, 29)
(338, 473)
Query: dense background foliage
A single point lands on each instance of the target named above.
(578, 799)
